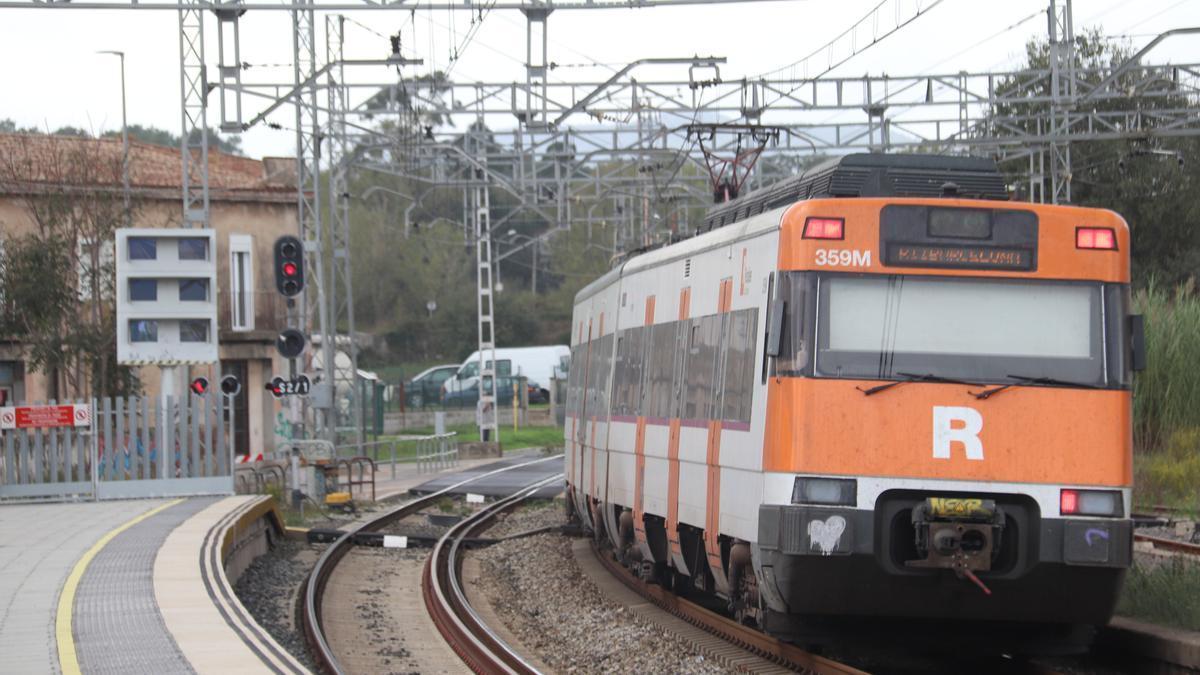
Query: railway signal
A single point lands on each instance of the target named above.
(199, 386)
(296, 386)
(289, 266)
(290, 343)
(231, 385)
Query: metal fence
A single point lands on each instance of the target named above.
(133, 447)
(432, 453)
(437, 452)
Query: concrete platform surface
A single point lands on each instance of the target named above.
(125, 587)
(39, 546)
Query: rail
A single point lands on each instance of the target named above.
(1166, 544)
(727, 629)
(480, 647)
(314, 587)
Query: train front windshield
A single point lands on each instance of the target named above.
(975, 329)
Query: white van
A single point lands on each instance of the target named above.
(538, 364)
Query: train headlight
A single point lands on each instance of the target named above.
(1106, 503)
(832, 491)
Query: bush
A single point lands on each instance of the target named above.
(1171, 476)
(1167, 394)
(1166, 593)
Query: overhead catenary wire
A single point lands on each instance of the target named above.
(871, 17)
(854, 51)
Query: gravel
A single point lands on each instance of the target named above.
(535, 514)
(270, 587)
(367, 618)
(535, 586)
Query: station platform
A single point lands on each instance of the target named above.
(146, 586)
(130, 587)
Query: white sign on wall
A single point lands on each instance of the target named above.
(166, 296)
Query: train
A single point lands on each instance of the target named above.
(881, 393)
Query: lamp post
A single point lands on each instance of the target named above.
(124, 137)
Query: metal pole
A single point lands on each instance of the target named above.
(124, 138)
(124, 145)
(95, 455)
(232, 433)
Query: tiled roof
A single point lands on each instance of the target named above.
(35, 159)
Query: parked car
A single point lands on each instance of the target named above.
(468, 396)
(539, 364)
(426, 388)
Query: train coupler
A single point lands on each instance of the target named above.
(961, 535)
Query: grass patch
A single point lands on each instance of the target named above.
(525, 437)
(1170, 476)
(1165, 395)
(1167, 593)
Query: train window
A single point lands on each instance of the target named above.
(573, 380)
(590, 377)
(1117, 308)
(660, 370)
(973, 329)
(602, 376)
(701, 367)
(739, 365)
(627, 375)
(795, 290)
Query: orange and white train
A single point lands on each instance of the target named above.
(877, 391)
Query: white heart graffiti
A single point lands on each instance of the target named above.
(826, 534)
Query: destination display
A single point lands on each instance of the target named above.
(967, 257)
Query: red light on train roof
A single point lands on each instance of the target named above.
(825, 228)
(1068, 502)
(1096, 237)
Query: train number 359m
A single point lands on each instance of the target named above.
(843, 257)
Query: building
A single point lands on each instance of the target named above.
(252, 203)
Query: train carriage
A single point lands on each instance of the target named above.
(879, 389)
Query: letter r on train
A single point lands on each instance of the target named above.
(957, 423)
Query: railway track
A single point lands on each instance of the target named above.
(1164, 516)
(1165, 544)
(314, 590)
(479, 646)
(724, 628)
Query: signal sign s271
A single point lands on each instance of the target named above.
(297, 386)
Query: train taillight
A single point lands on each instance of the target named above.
(1105, 503)
(1103, 238)
(825, 228)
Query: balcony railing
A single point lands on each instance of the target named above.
(269, 309)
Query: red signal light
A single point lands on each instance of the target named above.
(1104, 238)
(1068, 502)
(825, 228)
(199, 386)
(289, 269)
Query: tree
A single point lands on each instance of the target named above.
(1140, 179)
(56, 283)
(231, 145)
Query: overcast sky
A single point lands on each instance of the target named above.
(52, 76)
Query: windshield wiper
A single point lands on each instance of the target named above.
(1025, 379)
(913, 377)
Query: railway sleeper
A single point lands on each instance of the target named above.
(377, 539)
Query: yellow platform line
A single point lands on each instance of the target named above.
(67, 658)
